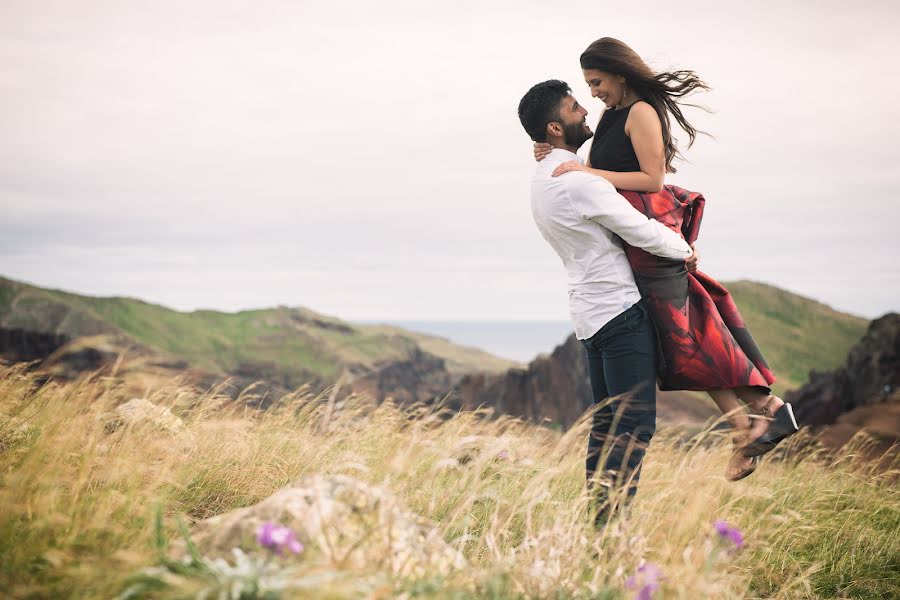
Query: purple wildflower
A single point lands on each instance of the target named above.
(727, 532)
(648, 576)
(503, 455)
(276, 538)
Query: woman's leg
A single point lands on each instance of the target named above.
(757, 399)
(730, 405)
(760, 403)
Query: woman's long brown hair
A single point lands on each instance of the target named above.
(660, 90)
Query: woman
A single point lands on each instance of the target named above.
(704, 343)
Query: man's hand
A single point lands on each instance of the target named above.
(693, 260)
(570, 165)
(541, 149)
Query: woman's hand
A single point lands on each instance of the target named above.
(571, 165)
(541, 149)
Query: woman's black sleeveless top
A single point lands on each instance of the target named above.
(611, 149)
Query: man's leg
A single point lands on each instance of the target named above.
(602, 419)
(597, 438)
(629, 362)
(622, 360)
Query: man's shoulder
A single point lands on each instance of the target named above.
(545, 168)
(575, 181)
(544, 181)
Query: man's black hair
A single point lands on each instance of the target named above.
(541, 106)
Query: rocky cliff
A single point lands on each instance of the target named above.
(421, 377)
(22, 345)
(871, 375)
(554, 387)
(864, 394)
(557, 388)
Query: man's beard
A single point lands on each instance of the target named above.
(574, 134)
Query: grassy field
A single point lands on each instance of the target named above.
(79, 503)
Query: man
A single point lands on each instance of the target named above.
(584, 219)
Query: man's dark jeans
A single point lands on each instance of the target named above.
(621, 360)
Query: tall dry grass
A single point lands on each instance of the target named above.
(78, 501)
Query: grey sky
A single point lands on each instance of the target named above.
(365, 159)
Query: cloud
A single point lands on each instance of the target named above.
(366, 160)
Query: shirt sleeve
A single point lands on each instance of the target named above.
(596, 199)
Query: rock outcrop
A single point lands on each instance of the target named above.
(870, 376)
(554, 387)
(337, 518)
(863, 395)
(22, 345)
(421, 377)
(557, 388)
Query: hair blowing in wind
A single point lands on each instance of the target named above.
(662, 91)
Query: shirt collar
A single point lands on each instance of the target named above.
(563, 155)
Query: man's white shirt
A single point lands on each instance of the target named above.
(582, 217)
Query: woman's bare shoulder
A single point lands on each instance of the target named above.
(642, 110)
(642, 115)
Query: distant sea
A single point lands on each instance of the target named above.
(516, 340)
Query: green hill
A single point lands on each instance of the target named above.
(297, 343)
(796, 334)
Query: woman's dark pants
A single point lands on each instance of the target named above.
(621, 361)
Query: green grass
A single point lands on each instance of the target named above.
(7, 293)
(79, 503)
